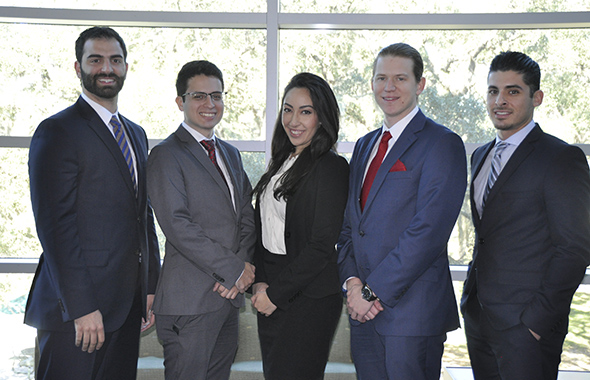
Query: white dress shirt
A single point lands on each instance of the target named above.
(273, 212)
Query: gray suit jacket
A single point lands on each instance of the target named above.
(207, 240)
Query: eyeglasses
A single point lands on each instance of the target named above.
(200, 96)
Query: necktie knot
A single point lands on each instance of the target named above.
(500, 146)
(209, 145)
(386, 137)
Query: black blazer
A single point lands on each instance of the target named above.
(97, 237)
(312, 225)
(532, 243)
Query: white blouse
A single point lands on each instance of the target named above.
(272, 213)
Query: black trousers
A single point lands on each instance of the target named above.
(511, 354)
(295, 343)
(60, 359)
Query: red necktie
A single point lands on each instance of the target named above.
(209, 145)
(374, 167)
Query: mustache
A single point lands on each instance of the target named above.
(113, 76)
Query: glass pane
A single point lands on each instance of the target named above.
(38, 67)
(18, 340)
(433, 6)
(18, 237)
(253, 165)
(147, 5)
(456, 68)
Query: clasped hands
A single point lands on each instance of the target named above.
(260, 299)
(243, 283)
(360, 309)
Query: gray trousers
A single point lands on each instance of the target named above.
(199, 346)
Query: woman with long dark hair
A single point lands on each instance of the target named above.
(300, 203)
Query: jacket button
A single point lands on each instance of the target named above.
(287, 235)
(362, 233)
(481, 241)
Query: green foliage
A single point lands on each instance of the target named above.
(18, 237)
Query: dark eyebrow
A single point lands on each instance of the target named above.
(305, 106)
(102, 56)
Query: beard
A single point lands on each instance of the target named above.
(90, 83)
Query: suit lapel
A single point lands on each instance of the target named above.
(95, 123)
(403, 143)
(364, 154)
(520, 154)
(479, 157)
(197, 151)
(232, 169)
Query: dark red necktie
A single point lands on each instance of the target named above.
(374, 167)
(210, 147)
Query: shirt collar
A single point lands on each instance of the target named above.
(104, 114)
(397, 129)
(197, 135)
(517, 138)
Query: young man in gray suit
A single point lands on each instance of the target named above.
(530, 202)
(202, 200)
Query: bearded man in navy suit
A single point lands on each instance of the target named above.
(407, 183)
(530, 203)
(97, 274)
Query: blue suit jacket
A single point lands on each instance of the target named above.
(398, 245)
(97, 237)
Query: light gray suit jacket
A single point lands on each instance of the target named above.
(207, 240)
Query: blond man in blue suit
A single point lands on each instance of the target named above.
(407, 183)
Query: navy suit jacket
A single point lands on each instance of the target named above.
(532, 243)
(98, 239)
(398, 244)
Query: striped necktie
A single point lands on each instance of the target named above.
(124, 146)
(494, 169)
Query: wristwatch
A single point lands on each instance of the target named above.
(368, 294)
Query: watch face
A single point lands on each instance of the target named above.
(367, 293)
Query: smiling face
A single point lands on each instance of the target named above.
(395, 88)
(509, 102)
(102, 70)
(202, 115)
(299, 118)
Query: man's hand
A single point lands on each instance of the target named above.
(150, 318)
(89, 331)
(226, 293)
(358, 308)
(247, 278)
(262, 303)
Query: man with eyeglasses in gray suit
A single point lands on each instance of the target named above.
(202, 199)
